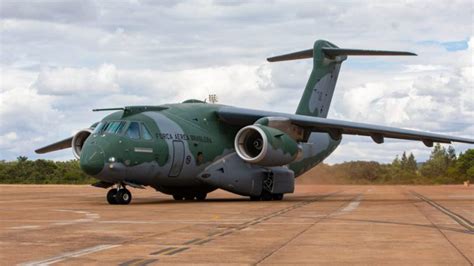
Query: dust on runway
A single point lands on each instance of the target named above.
(55, 224)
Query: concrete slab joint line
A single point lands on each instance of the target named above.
(456, 217)
(324, 217)
(197, 241)
(439, 229)
(176, 251)
(162, 251)
(138, 262)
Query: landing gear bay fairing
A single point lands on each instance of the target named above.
(192, 148)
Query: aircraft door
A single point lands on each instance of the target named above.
(178, 158)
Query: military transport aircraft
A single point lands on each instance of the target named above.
(192, 148)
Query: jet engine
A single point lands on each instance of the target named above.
(78, 141)
(265, 146)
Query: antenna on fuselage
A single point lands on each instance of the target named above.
(212, 98)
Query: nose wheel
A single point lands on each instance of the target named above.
(120, 196)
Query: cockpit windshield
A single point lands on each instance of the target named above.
(99, 128)
(135, 130)
(115, 127)
(111, 127)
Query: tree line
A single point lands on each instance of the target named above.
(443, 167)
(24, 171)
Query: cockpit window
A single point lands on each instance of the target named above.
(145, 133)
(115, 127)
(133, 131)
(98, 128)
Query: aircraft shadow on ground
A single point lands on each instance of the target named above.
(314, 198)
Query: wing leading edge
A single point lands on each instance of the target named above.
(337, 128)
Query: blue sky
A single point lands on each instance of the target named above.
(61, 59)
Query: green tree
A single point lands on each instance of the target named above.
(465, 166)
(411, 164)
(22, 159)
(451, 156)
(396, 163)
(404, 161)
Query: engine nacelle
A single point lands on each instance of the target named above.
(78, 141)
(266, 146)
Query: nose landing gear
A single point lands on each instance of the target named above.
(119, 195)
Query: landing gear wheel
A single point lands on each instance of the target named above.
(188, 197)
(277, 196)
(178, 197)
(254, 198)
(266, 196)
(123, 196)
(201, 196)
(111, 199)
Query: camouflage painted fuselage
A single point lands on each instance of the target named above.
(185, 139)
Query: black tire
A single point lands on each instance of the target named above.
(111, 199)
(266, 196)
(277, 196)
(254, 198)
(178, 197)
(201, 196)
(123, 196)
(189, 197)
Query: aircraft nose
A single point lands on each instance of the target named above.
(92, 159)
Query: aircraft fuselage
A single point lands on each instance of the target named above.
(168, 149)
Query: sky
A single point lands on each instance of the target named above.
(61, 59)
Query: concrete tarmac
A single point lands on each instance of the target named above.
(319, 224)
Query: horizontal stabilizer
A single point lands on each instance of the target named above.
(333, 52)
(293, 56)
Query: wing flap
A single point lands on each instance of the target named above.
(337, 128)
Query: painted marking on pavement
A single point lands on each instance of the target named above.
(68, 255)
(354, 204)
(89, 217)
(24, 227)
(461, 196)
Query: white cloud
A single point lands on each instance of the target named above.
(68, 81)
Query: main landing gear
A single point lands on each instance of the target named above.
(119, 195)
(197, 196)
(267, 196)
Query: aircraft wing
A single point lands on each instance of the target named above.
(62, 144)
(336, 128)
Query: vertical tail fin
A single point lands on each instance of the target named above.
(327, 60)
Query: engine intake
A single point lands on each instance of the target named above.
(266, 146)
(78, 141)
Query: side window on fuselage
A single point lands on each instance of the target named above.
(133, 130)
(145, 132)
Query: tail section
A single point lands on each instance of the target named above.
(327, 60)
